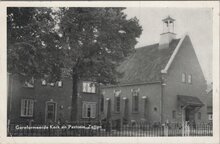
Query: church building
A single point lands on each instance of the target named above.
(161, 82)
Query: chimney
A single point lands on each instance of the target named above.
(168, 33)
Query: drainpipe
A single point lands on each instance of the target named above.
(161, 99)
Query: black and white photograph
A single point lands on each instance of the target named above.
(106, 71)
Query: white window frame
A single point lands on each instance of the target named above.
(27, 108)
(88, 87)
(85, 106)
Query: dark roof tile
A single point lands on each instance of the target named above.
(145, 64)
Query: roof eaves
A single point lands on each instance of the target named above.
(164, 71)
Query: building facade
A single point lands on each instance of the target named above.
(40, 102)
(162, 82)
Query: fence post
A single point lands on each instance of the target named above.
(166, 129)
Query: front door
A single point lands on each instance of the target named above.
(189, 115)
(50, 112)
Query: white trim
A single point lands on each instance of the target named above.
(173, 55)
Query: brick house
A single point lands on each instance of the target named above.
(41, 102)
(162, 82)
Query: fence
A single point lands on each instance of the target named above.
(138, 129)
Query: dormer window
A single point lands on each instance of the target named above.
(88, 87)
(183, 77)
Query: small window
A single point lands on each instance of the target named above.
(117, 95)
(183, 77)
(199, 115)
(27, 107)
(89, 110)
(29, 83)
(88, 87)
(190, 79)
(43, 82)
(60, 83)
(174, 114)
(135, 100)
(155, 108)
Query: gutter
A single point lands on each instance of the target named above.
(132, 84)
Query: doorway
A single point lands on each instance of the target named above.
(50, 112)
(189, 115)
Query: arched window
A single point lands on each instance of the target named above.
(117, 101)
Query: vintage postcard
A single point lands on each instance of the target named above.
(115, 72)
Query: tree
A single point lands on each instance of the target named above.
(33, 43)
(88, 43)
(96, 40)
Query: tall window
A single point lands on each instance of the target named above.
(89, 109)
(102, 104)
(135, 100)
(190, 79)
(88, 87)
(27, 107)
(183, 77)
(117, 95)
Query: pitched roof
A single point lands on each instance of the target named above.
(145, 64)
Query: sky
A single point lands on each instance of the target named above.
(197, 22)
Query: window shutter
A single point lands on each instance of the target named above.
(84, 109)
(22, 107)
(93, 110)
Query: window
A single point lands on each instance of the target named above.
(88, 87)
(102, 104)
(52, 84)
(190, 79)
(89, 110)
(135, 100)
(29, 83)
(117, 95)
(60, 83)
(27, 107)
(174, 114)
(183, 77)
(43, 82)
(199, 115)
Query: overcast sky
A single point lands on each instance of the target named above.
(197, 22)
